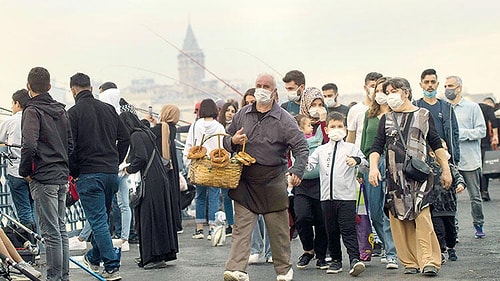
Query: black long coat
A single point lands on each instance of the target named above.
(154, 216)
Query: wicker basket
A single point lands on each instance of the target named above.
(202, 172)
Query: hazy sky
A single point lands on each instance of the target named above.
(330, 41)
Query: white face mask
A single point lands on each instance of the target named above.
(314, 112)
(381, 98)
(394, 100)
(330, 102)
(262, 95)
(293, 95)
(370, 92)
(336, 134)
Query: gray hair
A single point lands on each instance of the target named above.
(458, 79)
(267, 75)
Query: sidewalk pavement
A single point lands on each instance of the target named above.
(198, 260)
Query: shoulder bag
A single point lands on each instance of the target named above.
(137, 194)
(413, 167)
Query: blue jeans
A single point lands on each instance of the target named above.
(260, 239)
(85, 232)
(472, 179)
(228, 206)
(202, 193)
(96, 191)
(25, 207)
(376, 201)
(50, 203)
(123, 200)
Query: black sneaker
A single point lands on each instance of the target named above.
(111, 275)
(430, 270)
(304, 260)
(198, 234)
(335, 267)
(377, 250)
(443, 258)
(229, 231)
(322, 264)
(452, 255)
(357, 267)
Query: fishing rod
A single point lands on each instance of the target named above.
(5, 109)
(259, 59)
(22, 226)
(166, 76)
(195, 61)
(10, 145)
(42, 240)
(157, 114)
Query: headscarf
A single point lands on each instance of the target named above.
(126, 107)
(308, 96)
(170, 114)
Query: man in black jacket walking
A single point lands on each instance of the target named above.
(46, 144)
(101, 143)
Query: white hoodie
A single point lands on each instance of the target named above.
(111, 96)
(197, 130)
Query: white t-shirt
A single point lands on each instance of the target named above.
(355, 119)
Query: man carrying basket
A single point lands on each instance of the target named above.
(269, 131)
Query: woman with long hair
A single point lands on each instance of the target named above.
(376, 194)
(155, 213)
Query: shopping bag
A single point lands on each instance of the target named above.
(491, 164)
(363, 227)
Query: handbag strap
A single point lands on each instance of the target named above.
(362, 189)
(149, 163)
(399, 129)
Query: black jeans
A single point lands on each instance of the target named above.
(308, 213)
(445, 231)
(340, 219)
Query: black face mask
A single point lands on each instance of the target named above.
(450, 94)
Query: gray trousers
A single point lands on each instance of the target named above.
(277, 226)
(472, 180)
(50, 204)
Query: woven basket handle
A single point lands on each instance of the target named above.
(219, 135)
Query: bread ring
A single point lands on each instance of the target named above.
(219, 155)
(241, 160)
(247, 157)
(197, 152)
(221, 165)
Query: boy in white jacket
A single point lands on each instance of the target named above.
(337, 162)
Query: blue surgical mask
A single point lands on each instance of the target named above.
(428, 94)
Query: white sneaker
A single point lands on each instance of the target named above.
(287, 277)
(235, 276)
(75, 244)
(125, 246)
(253, 259)
(392, 264)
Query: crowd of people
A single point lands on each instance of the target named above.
(315, 157)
